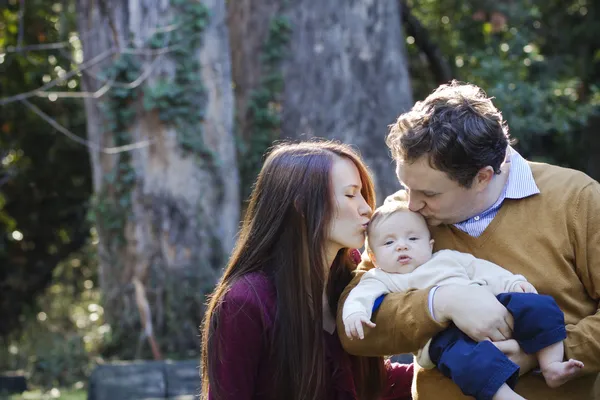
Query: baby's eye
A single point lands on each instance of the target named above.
(413, 238)
(387, 243)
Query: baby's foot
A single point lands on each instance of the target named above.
(558, 373)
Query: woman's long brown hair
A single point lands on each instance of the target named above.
(283, 235)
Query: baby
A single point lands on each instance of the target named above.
(400, 246)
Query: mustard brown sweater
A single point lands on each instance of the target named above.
(553, 239)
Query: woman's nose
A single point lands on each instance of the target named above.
(364, 209)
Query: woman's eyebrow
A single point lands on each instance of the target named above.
(353, 185)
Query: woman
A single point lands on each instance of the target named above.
(269, 331)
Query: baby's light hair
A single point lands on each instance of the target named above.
(382, 213)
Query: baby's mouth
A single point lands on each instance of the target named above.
(403, 259)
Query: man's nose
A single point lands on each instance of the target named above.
(415, 203)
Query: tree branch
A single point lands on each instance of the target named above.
(23, 96)
(439, 64)
(87, 143)
(21, 24)
(108, 84)
(82, 68)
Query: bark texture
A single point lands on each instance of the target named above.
(183, 212)
(345, 73)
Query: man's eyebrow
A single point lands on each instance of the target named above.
(418, 190)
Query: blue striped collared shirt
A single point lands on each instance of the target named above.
(520, 184)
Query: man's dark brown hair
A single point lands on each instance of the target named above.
(457, 127)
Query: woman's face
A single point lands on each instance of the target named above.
(351, 213)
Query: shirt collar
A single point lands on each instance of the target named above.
(520, 182)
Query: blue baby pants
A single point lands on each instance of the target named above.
(479, 369)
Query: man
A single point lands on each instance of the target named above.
(479, 196)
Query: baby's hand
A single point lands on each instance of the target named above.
(353, 325)
(524, 287)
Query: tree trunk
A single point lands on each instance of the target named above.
(343, 71)
(166, 211)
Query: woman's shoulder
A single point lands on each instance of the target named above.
(254, 289)
(246, 312)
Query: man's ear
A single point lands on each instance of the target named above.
(483, 177)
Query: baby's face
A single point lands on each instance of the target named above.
(401, 243)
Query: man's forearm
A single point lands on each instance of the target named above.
(583, 338)
(583, 343)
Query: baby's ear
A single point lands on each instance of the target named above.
(431, 242)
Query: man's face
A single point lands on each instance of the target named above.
(435, 196)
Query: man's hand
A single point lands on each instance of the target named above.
(354, 325)
(475, 311)
(513, 351)
(524, 287)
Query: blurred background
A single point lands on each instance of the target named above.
(131, 133)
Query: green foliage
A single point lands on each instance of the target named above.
(113, 203)
(181, 101)
(61, 393)
(264, 105)
(535, 58)
(58, 346)
(45, 181)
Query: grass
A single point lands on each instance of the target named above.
(62, 394)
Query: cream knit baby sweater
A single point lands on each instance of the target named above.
(444, 268)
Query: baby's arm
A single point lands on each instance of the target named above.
(498, 279)
(353, 324)
(359, 304)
